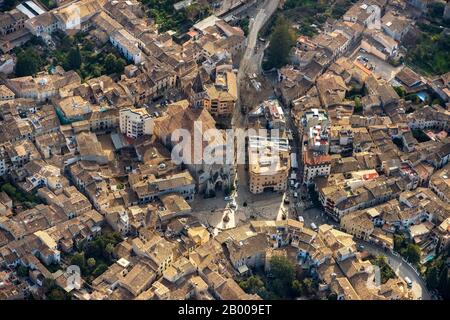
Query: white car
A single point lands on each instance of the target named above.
(228, 198)
(295, 195)
(300, 218)
(233, 205)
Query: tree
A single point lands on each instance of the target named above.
(400, 91)
(412, 253)
(436, 10)
(444, 283)
(28, 63)
(114, 64)
(244, 24)
(281, 41)
(56, 294)
(297, 288)
(78, 259)
(9, 4)
(253, 285)
(101, 268)
(91, 262)
(283, 275)
(109, 249)
(399, 242)
(74, 59)
(22, 271)
(358, 105)
(386, 271)
(432, 277)
(308, 285)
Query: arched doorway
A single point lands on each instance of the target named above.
(218, 186)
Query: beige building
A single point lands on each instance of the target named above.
(269, 164)
(220, 97)
(358, 224)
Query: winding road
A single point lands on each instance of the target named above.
(401, 268)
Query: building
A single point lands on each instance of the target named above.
(211, 171)
(315, 131)
(359, 224)
(440, 183)
(269, 163)
(6, 94)
(315, 165)
(76, 16)
(149, 188)
(72, 109)
(127, 45)
(220, 97)
(42, 87)
(395, 25)
(135, 122)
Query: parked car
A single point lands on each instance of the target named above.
(314, 227)
(295, 195)
(408, 282)
(300, 218)
(228, 198)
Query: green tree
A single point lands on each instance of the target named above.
(22, 271)
(436, 10)
(100, 269)
(283, 275)
(74, 59)
(386, 271)
(432, 277)
(444, 283)
(91, 262)
(297, 288)
(308, 284)
(399, 242)
(9, 4)
(79, 260)
(412, 253)
(282, 40)
(253, 285)
(28, 63)
(358, 105)
(114, 64)
(400, 91)
(56, 294)
(109, 249)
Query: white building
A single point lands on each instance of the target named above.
(128, 45)
(135, 122)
